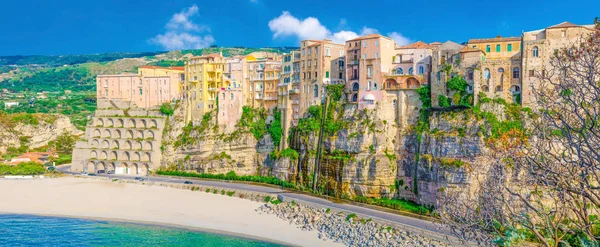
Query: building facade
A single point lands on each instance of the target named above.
(151, 87)
(538, 48)
(204, 80)
(287, 92)
(321, 62)
(368, 59)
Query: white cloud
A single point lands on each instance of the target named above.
(287, 25)
(399, 38)
(183, 33)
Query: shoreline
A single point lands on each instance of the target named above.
(160, 225)
(151, 204)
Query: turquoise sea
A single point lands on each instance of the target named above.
(28, 230)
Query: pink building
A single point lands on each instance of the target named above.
(231, 101)
(152, 86)
(368, 59)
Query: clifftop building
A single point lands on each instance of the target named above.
(204, 79)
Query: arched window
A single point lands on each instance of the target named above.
(515, 89)
(536, 52)
(375, 86)
(443, 59)
(355, 97)
(470, 75)
(501, 70)
(410, 71)
(316, 91)
(231, 96)
(515, 74)
(399, 71)
(421, 70)
(486, 73)
(393, 102)
(571, 52)
(355, 86)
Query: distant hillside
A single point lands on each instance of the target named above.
(237, 51)
(71, 59)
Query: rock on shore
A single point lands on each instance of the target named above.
(347, 229)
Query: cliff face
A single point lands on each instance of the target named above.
(35, 133)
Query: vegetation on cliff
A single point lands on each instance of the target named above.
(229, 176)
(27, 168)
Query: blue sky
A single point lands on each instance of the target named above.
(44, 27)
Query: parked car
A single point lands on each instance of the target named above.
(100, 171)
(110, 172)
(91, 174)
(139, 179)
(188, 182)
(83, 174)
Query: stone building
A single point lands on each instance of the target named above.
(539, 47)
(121, 138)
(320, 64)
(368, 59)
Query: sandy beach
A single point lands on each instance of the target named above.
(94, 198)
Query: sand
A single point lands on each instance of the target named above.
(100, 199)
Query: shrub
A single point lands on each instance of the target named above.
(230, 193)
(443, 101)
(26, 168)
(167, 109)
(350, 216)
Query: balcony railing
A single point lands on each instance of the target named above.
(354, 62)
(270, 98)
(295, 91)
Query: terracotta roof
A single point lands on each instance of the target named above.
(37, 157)
(469, 49)
(563, 25)
(435, 43)
(369, 36)
(497, 39)
(416, 45)
(158, 67)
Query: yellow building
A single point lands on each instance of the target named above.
(497, 48)
(203, 81)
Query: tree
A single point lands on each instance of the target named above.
(546, 190)
(64, 143)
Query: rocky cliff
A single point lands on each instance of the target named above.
(33, 130)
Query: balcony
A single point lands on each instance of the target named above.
(270, 98)
(401, 61)
(354, 62)
(212, 89)
(295, 91)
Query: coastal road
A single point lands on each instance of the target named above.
(414, 224)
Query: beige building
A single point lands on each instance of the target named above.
(539, 47)
(288, 97)
(264, 75)
(204, 80)
(321, 63)
(368, 58)
(151, 86)
(411, 67)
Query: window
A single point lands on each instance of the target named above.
(369, 71)
(342, 52)
(486, 74)
(141, 91)
(531, 73)
(497, 48)
(536, 52)
(410, 71)
(399, 71)
(501, 71)
(326, 74)
(488, 48)
(439, 77)
(327, 52)
(376, 54)
(376, 42)
(355, 86)
(421, 70)
(316, 91)
(443, 59)
(474, 46)
(364, 43)
(354, 97)
(369, 85)
(375, 86)
(509, 47)
(515, 73)
(470, 76)
(365, 56)
(563, 34)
